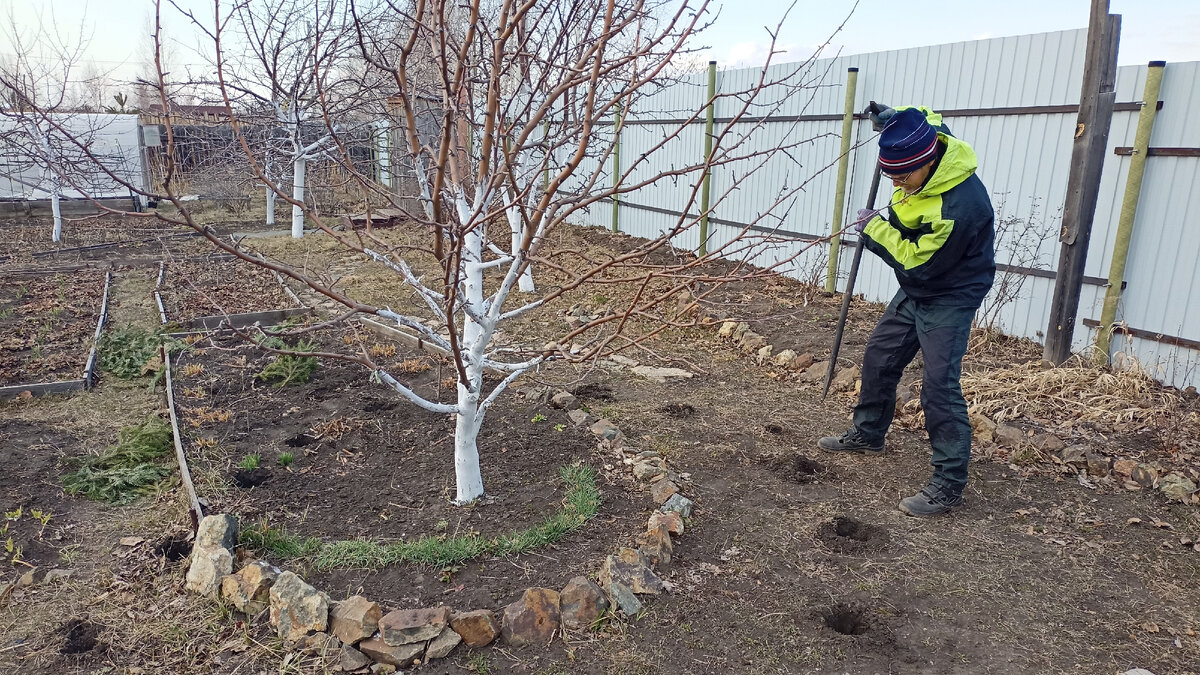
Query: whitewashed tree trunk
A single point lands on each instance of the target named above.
(474, 341)
(56, 209)
(55, 192)
(525, 282)
(270, 206)
(298, 195)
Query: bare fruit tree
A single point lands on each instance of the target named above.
(506, 114)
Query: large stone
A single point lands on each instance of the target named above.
(740, 330)
(564, 400)
(670, 520)
(320, 644)
(400, 656)
(648, 468)
(1145, 475)
(727, 329)
(1177, 487)
(1075, 455)
(441, 646)
(532, 619)
(661, 374)
(606, 430)
(406, 626)
(354, 619)
(982, 429)
(802, 362)
(581, 603)
(634, 573)
(623, 598)
(656, 545)
(249, 590)
(764, 354)
(784, 358)
(1124, 467)
(661, 491)
(579, 417)
(1009, 436)
(350, 659)
(1047, 442)
(680, 504)
(297, 608)
(815, 372)
(478, 628)
(1097, 464)
(207, 568)
(219, 531)
(751, 342)
(845, 378)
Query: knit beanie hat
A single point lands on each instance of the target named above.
(907, 142)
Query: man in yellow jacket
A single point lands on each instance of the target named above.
(938, 238)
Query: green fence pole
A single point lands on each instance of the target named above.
(616, 170)
(839, 193)
(1133, 191)
(708, 153)
(546, 159)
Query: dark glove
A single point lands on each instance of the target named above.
(864, 217)
(879, 114)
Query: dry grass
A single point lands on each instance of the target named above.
(1122, 400)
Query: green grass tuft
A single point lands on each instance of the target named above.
(580, 503)
(127, 470)
(250, 462)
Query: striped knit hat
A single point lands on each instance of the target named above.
(908, 142)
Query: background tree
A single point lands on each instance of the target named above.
(504, 112)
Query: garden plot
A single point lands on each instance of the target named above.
(193, 289)
(46, 326)
(336, 458)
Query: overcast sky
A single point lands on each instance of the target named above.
(1151, 29)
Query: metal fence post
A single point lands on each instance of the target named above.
(708, 151)
(839, 192)
(616, 169)
(1133, 191)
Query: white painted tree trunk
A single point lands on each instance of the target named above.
(474, 340)
(56, 209)
(298, 195)
(270, 206)
(525, 282)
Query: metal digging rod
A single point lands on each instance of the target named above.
(841, 324)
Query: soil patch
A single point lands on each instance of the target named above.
(46, 326)
(192, 289)
(849, 535)
(29, 471)
(367, 465)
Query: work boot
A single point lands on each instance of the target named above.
(851, 441)
(931, 501)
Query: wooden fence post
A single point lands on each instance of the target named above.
(1083, 185)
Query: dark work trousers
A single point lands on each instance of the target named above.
(941, 333)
